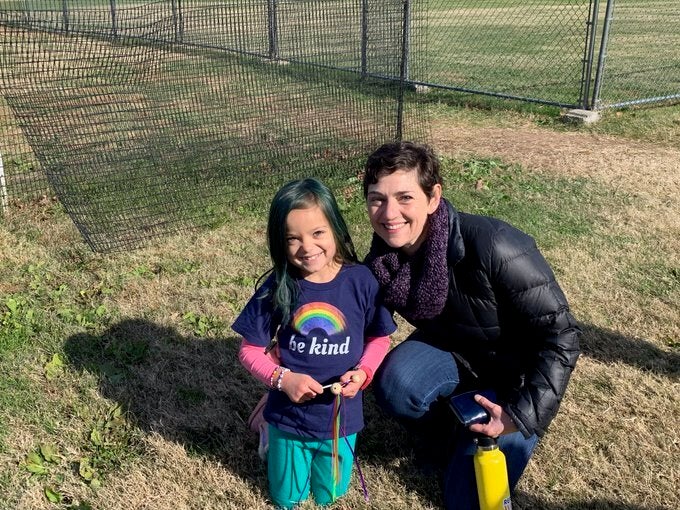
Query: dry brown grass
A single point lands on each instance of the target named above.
(614, 444)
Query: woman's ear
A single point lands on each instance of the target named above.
(435, 198)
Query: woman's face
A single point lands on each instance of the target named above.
(398, 209)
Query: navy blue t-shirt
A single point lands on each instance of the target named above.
(323, 339)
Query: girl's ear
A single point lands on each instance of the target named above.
(435, 199)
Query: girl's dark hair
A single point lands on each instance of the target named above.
(394, 156)
(301, 194)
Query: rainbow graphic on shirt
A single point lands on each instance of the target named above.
(319, 315)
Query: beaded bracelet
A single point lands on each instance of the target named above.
(271, 378)
(280, 378)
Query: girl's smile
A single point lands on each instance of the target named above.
(310, 244)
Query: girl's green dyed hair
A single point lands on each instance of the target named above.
(301, 194)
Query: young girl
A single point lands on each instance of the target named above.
(321, 308)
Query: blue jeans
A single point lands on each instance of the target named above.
(414, 376)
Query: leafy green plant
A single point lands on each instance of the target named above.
(143, 271)
(126, 352)
(39, 277)
(88, 473)
(54, 367)
(87, 318)
(201, 325)
(53, 495)
(17, 321)
(38, 461)
(111, 441)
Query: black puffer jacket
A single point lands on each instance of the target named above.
(507, 317)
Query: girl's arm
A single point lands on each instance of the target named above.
(262, 366)
(375, 349)
(266, 368)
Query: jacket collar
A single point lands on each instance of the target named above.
(456, 248)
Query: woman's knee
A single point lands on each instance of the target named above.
(414, 375)
(394, 393)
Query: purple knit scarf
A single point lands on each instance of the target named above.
(415, 286)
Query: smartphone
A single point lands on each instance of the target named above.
(467, 411)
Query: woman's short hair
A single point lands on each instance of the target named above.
(394, 156)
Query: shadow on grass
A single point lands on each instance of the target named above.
(610, 346)
(384, 440)
(385, 444)
(190, 390)
(194, 391)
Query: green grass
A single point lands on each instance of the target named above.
(551, 209)
(659, 124)
(144, 336)
(119, 382)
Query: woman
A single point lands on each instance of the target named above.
(486, 307)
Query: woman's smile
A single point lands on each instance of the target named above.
(398, 209)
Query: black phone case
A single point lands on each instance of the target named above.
(469, 412)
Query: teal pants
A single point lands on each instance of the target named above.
(296, 465)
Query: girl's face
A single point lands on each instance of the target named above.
(398, 209)
(310, 244)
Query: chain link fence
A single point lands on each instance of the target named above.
(639, 60)
(591, 54)
(530, 49)
(150, 117)
(162, 116)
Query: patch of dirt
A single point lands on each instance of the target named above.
(643, 170)
(637, 166)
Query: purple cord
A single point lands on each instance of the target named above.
(356, 461)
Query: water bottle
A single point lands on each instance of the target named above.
(491, 473)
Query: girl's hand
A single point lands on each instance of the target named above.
(300, 387)
(499, 424)
(354, 379)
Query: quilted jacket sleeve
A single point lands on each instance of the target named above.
(544, 329)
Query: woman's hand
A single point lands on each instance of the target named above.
(300, 387)
(499, 424)
(352, 380)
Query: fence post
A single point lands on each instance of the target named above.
(588, 52)
(608, 16)
(364, 37)
(273, 29)
(403, 68)
(114, 22)
(64, 13)
(180, 20)
(406, 50)
(175, 20)
(3, 188)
